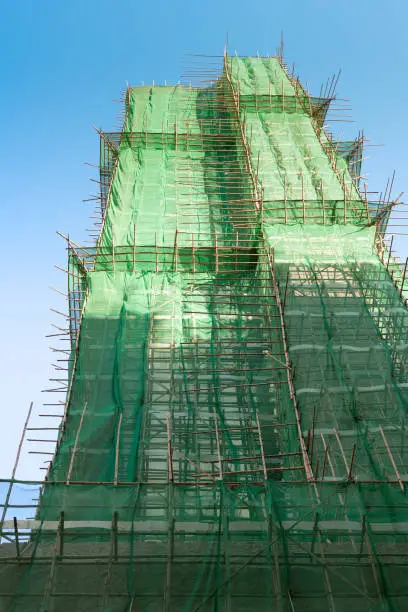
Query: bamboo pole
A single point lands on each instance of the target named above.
(390, 455)
(71, 465)
(134, 246)
(15, 466)
(117, 449)
(261, 447)
(169, 449)
(217, 437)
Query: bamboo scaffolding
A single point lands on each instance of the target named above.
(200, 392)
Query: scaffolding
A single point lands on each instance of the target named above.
(234, 376)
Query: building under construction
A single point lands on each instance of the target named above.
(232, 420)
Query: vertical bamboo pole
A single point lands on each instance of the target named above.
(217, 437)
(353, 454)
(134, 246)
(366, 202)
(286, 291)
(323, 203)
(257, 168)
(345, 197)
(115, 534)
(341, 450)
(175, 253)
(169, 449)
(261, 447)
(312, 438)
(390, 455)
(170, 553)
(117, 448)
(13, 473)
(16, 538)
(283, 98)
(403, 277)
(390, 251)
(113, 251)
(193, 252)
(326, 450)
(60, 536)
(71, 464)
(216, 251)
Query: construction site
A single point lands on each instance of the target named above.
(228, 424)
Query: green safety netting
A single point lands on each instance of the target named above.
(235, 426)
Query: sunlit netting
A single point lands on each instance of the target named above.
(234, 429)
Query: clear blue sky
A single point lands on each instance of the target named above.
(62, 64)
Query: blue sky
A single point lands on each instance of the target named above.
(62, 64)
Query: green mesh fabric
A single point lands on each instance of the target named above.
(235, 426)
